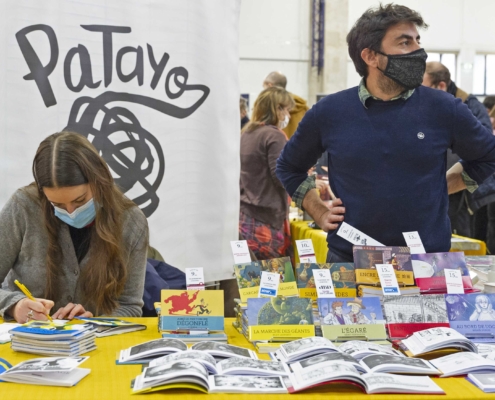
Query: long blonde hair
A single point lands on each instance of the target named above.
(68, 159)
(266, 106)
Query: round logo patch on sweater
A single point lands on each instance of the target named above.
(421, 135)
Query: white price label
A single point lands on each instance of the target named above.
(453, 278)
(240, 251)
(323, 283)
(195, 279)
(269, 284)
(355, 236)
(388, 280)
(414, 242)
(306, 251)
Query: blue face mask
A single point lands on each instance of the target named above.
(80, 217)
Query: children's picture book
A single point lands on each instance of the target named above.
(350, 311)
(369, 383)
(366, 258)
(189, 374)
(415, 309)
(49, 371)
(249, 276)
(53, 339)
(485, 382)
(301, 349)
(432, 339)
(145, 352)
(472, 315)
(463, 363)
(398, 365)
(202, 357)
(279, 311)
(247, 366)
(188, 310)
(325, 358)
(343, 277)
(429, 270)
(360, 349)
(345, 319)
(111, 326)
(222, 350)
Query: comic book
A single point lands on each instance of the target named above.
(343, 277)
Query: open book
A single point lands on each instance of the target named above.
(335, 372)
(304, 348)
(436, 339)
(189, 374)
(398, 365)
(485, 382)
(144, 352)
(463, 363)
(52, 371)
(360, 349)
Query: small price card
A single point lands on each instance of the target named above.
(324, 283)
(269, 284)
(414, 242)
(195, 279)
(240, 251)
(388, 280)
(306, 251)
(453, 278)
(355, 236)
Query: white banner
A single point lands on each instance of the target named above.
(154, 85)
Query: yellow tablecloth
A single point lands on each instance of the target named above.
(301, 230)
(110, 381)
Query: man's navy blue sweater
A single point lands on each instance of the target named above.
(387, 162)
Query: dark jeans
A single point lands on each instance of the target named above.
(460, 219)
(334, 257)
(484, 226)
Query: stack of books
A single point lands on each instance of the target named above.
(52, 339)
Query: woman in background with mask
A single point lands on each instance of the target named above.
(264, 201)
(72, 238)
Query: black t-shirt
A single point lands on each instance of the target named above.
(80, 239)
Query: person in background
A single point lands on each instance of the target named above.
(264, 203)
(387, 141)
(300, 106)
(72, 238)
(244, 111)
(463, 206)
(489, 104)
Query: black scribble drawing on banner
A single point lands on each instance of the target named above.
(107, 109)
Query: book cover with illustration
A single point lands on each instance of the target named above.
(248, 277)
(279, 317)
(366, 258)
(343, 277)
(186, 310)
(345, 318)
(429, 270)
(472, 315)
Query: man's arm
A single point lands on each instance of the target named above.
(455, 181)
(327, 217)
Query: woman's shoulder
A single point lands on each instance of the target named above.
(26, 197)
(134, 218)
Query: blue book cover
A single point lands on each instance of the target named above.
(350, 311)
(473, 315)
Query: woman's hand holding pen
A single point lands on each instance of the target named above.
(27, 309)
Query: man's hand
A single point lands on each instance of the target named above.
(26, 309)
(327, 217)
(70, 311)
(455, 183)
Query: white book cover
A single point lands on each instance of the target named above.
(463, 363)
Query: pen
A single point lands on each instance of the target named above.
(28, 294)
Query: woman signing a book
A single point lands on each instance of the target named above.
(72, 238)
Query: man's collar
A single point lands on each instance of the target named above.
(364, 94)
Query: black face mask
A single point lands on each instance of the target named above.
(406, 69)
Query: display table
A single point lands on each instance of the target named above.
(301, 230)
(110, 381)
